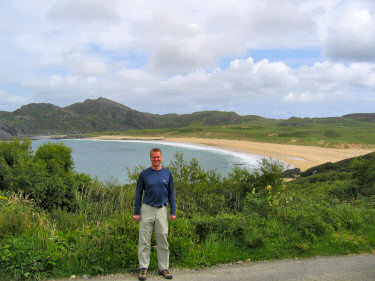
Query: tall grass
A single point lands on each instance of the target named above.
(239, 217)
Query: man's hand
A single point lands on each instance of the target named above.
(137, 217)
(172, 217)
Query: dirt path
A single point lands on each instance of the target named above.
(338, 268)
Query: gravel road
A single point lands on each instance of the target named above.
(337, 268)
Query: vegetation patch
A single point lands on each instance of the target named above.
(55, 222)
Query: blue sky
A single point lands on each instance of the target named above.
(271, 58)
(294, 58)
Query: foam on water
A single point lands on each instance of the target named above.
(244, 158)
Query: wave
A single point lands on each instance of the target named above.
(242, 158)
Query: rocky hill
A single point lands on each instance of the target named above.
(99, 115)
(102, 115)
(367, 117)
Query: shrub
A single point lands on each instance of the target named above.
(24, 258)
(48, 177)
(225, 225)
(56, 156)
(16, 215)
(256, 203)
(191, 181)
(12, 151)
(237, 184)
(364, 174)
(254, 236)
(270, 172)
(243, 215)
(182, 239)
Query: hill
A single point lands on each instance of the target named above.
(342, 180)
(99, 115)
(102, 115)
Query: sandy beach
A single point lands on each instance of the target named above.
(298, 156)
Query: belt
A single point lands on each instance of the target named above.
(159, 207)
(165, 205)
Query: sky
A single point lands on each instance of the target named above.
(272, 58)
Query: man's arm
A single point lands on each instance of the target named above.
(171, 199)
(138, 198)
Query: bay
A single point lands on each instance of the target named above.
(109, 159)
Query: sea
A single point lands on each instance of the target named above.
(108, 160)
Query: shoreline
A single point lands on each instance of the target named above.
(302, 157)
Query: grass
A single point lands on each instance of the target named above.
(59, 244)
(321, 132)
(242, 216)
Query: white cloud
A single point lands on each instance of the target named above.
(170, 53)
(84, 11)
(86, 66)
(271, 22)
(351, 32)
(8, 101)
(306, 97)
(136, 76)
(63, 90)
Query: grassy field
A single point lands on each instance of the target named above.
(327, 132)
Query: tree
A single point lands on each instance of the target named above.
(47, 177)
(56, 156)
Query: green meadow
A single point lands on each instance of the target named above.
(55, 222)
(323, 132)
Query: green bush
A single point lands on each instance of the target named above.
(237, 184)
(25, 258)
(253, 236)
(308, 223)
(269, 173)
(65, 223)
(16, 215)
(182, 239)
(191, 181)
(13, 151)
(46, 177)
(225, 225)
(332, 134)
(364, 173)
(56, 156)
(255, 203)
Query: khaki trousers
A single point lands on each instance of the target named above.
(153, 218)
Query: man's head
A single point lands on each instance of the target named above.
(156, 158)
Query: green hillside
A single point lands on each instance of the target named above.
(325, 132)
(344, 180)
(103, 116)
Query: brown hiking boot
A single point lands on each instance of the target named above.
(165, 274)
(142, 274)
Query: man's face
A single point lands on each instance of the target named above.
(155, 160)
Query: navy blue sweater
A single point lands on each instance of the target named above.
(157, 189)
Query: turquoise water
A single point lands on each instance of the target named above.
(108, 160)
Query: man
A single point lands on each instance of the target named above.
(155, 184)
